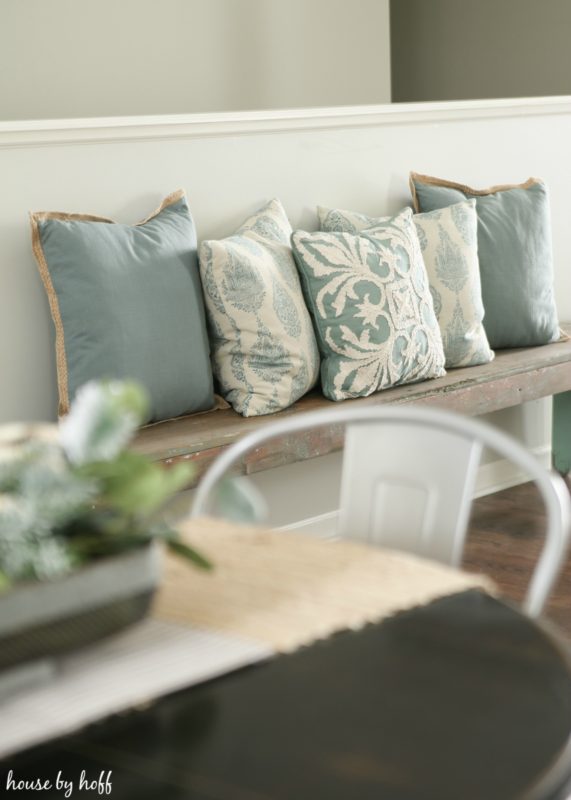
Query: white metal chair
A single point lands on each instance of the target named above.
(408, 480)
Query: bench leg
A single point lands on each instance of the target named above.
(561, 433)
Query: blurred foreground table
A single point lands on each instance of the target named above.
(459, 697)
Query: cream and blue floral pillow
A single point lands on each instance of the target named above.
(264, 352)
(371, 305)
(448, 240)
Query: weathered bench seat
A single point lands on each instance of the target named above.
(514, 377)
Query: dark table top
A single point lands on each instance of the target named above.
(462, 699)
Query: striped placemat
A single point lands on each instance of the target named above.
(122, 672)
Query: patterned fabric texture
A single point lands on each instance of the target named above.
(448, 240)
(264, 352)
(515, 255)
(371, 306)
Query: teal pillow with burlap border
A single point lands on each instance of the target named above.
(515, 255)
(126, 301)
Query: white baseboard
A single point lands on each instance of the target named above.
(502, 474)
(323, 526)
(492, 477)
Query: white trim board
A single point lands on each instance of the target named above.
(502, 473)
(493, 477)
(322, 526)
(33, 133)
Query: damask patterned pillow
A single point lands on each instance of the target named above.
(371, 305)
(264, 352)
(448, 240)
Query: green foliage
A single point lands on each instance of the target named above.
(134, 485)
(102, 421)
(182, 549)
(68, 498)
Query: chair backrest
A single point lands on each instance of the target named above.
(408, 481)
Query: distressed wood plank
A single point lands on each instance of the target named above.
(561, 434)
(514, 377)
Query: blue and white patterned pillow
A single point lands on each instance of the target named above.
(448, 240)
(264, 352)
(371, 305)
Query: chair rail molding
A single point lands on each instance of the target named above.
(33, 133)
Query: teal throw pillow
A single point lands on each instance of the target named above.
(515, 254)
(127, 302)
(264, 351)
(369, 297)
(448, 240)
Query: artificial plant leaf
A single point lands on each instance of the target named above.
(134, 485)
(102, 420)
(91, 546)
(55, 496)
(188, 552)
(73, 494)
(177, 477)
(11, 471)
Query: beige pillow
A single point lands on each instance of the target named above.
(264, 351)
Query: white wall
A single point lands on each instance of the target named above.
(74, 58)
(230, 165)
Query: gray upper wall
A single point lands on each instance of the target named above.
(471, 49)
(74, 58)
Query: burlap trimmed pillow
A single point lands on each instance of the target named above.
(126, 302)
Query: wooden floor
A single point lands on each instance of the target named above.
(505, 536)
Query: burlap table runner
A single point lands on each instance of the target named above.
(286, 589)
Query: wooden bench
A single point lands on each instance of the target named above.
(514, 377)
